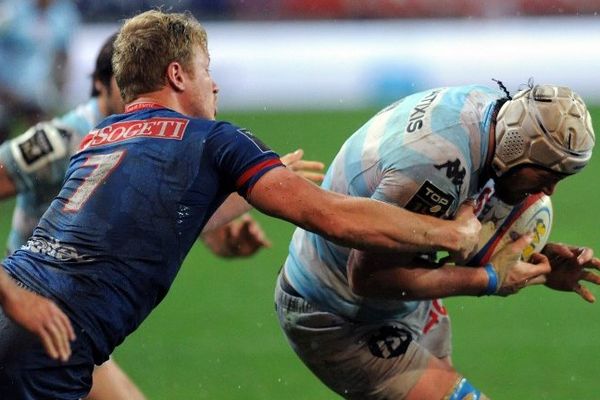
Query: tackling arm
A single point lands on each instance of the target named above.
(358, 222)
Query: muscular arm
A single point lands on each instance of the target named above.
(351, 221)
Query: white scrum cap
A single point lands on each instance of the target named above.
(547, 126)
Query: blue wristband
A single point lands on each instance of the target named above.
(492, 286)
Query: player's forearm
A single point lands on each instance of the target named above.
(420, 283)
(370, 224)
(350, 221)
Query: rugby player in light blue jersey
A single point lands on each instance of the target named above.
(137, 194)
(371, 325)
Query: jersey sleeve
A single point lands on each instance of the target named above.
(241, 156)
(31, 158)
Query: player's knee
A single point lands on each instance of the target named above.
(464, 390)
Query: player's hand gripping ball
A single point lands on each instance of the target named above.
(501, 224)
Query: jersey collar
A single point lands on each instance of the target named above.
(145, 105)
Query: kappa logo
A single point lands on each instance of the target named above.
(389, 342)
(454, 171)
(430, 200)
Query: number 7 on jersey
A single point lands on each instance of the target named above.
(104, 165)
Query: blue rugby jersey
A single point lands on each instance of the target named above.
(37, 160)
(425, 153)
(134, 201)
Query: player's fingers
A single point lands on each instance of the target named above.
(593, 263)
(521, 242)
(466, 209)
(290, 158)
(252, 230)
(559, 250)
(590, 277)
(313, 176)
(49, 345)
(536, 280)
(245, 217)
(542, 263)
(585, 255)
(60, 337)
(537, 258)
(67, 326)
(307, 165)
(254, 233)
(584, 293)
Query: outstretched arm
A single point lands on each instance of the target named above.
(358, 222)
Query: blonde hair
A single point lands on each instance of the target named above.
(148, 43)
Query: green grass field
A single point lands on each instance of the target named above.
(216, 335)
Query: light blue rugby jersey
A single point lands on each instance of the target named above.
(37, 161)
(424, 153)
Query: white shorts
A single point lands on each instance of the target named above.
(376, 360)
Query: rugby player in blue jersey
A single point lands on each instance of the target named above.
(371, 325)
(136, 196)
(33, 166)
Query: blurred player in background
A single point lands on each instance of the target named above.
(33, 166)
(371, 325)
(34, 45)
(135, 198)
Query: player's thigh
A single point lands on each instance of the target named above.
(358, 361)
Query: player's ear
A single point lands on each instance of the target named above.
(175, 76)
(98, 86)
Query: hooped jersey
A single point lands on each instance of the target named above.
(36, 162)
(424, 153)
(135, 199)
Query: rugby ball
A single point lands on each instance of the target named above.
(501, 224)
